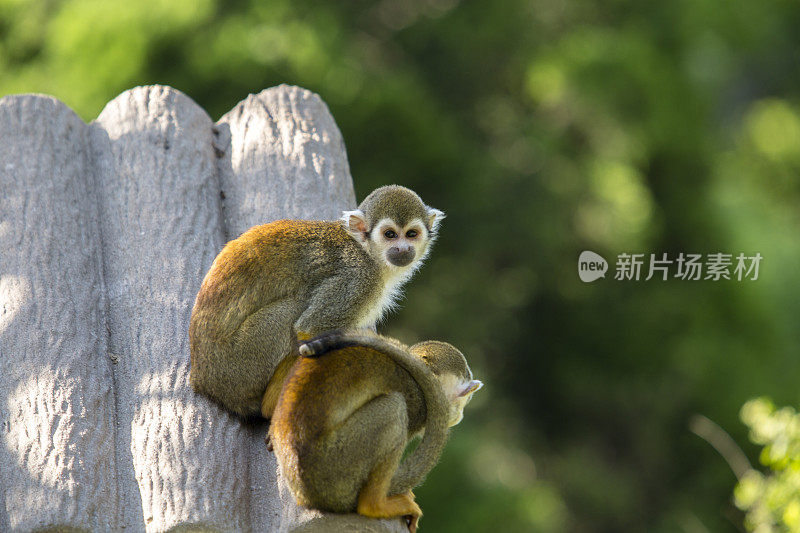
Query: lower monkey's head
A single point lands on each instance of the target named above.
(394, 226)
(450, 366)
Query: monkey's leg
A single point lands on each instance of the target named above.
(387, 418)
(261, 343)
(371, 504)
(273, 392)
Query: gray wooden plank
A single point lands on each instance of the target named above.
(56, 398)
(161, 229)
(286, 160)
(105, 234)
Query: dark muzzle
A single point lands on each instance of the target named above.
(400, 256)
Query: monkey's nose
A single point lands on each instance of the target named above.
(400, 256)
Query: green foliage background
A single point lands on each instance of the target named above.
(772, 501)
(542, 128)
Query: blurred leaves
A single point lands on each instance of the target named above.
(772, 500)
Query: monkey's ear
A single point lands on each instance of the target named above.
(471, 387)
(355, 222)
(434, 218)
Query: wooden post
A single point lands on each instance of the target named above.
(106, 231)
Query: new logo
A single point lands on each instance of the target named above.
(591, 266)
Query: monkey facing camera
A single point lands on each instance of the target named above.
(351, 404)
(300, 277)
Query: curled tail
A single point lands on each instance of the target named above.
(416, 466)
(327, 342)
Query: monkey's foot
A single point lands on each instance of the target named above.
(412, 522)
(390, 507)
(268, 442)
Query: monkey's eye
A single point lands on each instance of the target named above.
(411, 233)
(389, 234)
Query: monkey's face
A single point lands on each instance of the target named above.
(459, 392)
(395, 227)
(399, 246)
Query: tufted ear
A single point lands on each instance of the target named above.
(434, 218)
(355, 223)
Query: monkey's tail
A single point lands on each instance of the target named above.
(327, 342)
(415, 467)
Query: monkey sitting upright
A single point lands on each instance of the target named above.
(300, 276)
(343, 420)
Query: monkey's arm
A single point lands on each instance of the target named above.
(320, 316)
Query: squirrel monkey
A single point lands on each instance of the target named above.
(344, 419)
(300, 276)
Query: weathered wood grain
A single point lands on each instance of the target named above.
(106, 231)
